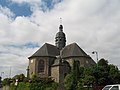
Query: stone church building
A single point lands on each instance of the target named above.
(56, 61)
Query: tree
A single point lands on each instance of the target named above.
(100, 74)
(6, 81)
(103, 62)
(114, 74)
(38, 83)
(20, 77)
(71, 81)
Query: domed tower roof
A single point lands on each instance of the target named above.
(60, 39)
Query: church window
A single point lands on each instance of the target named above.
(31, 61)
(41, 65)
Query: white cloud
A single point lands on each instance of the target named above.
(26, 1)
(6, 11)
(93, 24)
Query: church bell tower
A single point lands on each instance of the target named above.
(60, 39)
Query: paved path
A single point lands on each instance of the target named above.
(0, 88)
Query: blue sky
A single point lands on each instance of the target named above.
(18, 10)
(27, 24)
(24, 9)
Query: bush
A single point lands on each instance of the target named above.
(21, 86)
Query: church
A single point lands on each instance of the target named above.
(56, 61)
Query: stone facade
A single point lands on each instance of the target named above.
(56, 61)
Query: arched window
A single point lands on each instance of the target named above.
(41, 65)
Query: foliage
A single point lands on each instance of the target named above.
(42, 84)
(21, 86)
(20, 77)
(114, 74)
(100, 74)
(71, 79)
(68, 81)
(36, 84)
(6, 81)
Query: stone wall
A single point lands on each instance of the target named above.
(83, 61)
(32, 69)
(33, 66)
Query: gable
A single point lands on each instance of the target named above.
(73, 50)
(46, 50)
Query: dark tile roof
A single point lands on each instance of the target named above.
(46, 50)
(73, 50)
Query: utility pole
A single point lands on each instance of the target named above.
(10, 72)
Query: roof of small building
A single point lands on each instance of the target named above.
(72, 50)
(46, 50)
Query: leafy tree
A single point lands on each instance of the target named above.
(20, 77)
(114, 74)
(103, 62)
(68, 81)
(42, 84)
(6, 81)
(71, 80)
(106, 74)
(100, 72)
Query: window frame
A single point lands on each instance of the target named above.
(41, 66)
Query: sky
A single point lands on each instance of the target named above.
(25, 25)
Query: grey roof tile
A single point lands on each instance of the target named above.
(46, 50)
(73, 50)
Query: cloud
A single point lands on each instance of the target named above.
(94, 25)
(26, 1)
(6, 11)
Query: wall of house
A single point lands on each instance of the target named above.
(59, 72)
(34, 66)
(84, 61)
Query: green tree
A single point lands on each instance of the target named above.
(38, 83)
(6, 81)
(114, 74)
(68, 81)
(100, 72)
(71, 80)
(103, 62)
(20, 77)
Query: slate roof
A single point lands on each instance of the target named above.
(46, 50)
(73, 50)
